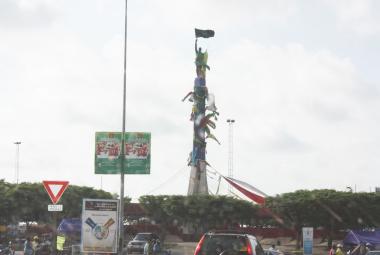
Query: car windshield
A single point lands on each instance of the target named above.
(142, 237)
(215, 244)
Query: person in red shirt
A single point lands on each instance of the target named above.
(332, 251)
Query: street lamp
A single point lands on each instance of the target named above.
(230, 151)
(17, 160)
(121, 212)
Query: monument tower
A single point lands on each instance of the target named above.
(202, 116)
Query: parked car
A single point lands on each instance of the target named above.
(275, 252)
(138, 242)
(226, 243)
(373, 253)
(5, 250)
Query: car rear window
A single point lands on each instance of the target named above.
(142, 237)
(215, 244)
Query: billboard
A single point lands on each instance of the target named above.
(100, 225)
(108, 153)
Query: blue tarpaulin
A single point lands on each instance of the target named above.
(356, 237)
(70, 226)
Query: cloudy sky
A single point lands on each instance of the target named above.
(299, 77)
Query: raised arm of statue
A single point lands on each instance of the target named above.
(196, 46)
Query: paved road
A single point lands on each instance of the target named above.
(175, 249)
(180, 248)
(183, 249)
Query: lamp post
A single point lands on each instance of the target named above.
(230, 151)
(121, 212)
(17, 165)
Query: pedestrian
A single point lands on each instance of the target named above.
(332, 250)
(28, 249)
(339, 249)
(368, 247)
(147, 248)
(363, 249)
(156, 247)
(11, 248)
(35, 244)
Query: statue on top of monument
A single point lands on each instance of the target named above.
(200, 61)
(201, 57)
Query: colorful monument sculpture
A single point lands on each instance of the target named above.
(202, 116)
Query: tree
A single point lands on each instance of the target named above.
(72, 199)
(5, 202)
(201, 213)
(28, 202)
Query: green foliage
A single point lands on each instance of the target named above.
(5, 202)
(329, 209)
(28, 202)
(201, 212)
(72, 199)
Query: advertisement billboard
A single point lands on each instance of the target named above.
(108, 153)
(100, 225)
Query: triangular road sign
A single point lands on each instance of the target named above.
(55, 189)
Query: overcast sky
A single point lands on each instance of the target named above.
(301, 79)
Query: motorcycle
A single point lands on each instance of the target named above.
(7, 251)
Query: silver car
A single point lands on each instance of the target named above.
(136, 245)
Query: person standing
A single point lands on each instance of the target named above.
(339, 249)
(156, 247)
(332, 250)
(28, 249)
(11, 248)
(35, 244)
(146, 248)
(364, 248)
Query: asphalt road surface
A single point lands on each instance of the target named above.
(183, 249)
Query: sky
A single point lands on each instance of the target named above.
(300, 78)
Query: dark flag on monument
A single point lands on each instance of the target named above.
(204, 33)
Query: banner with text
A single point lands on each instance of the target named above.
(100, 225)
(108, 153)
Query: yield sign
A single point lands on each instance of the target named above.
(55, 189)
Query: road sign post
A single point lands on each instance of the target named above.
(55, 191)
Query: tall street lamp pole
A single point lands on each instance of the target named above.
(230, 152)
(121, 214)
(17, 160)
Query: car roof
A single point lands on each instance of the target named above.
(230, 234)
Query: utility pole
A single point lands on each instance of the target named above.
(230, 151)
(17, 165)
(121, 212)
